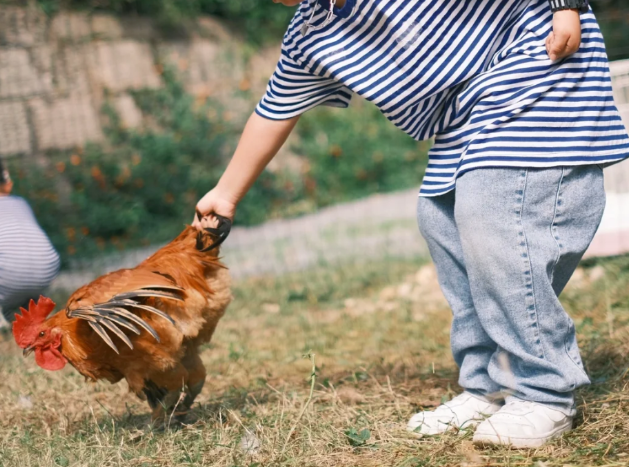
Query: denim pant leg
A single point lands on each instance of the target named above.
(471, 346)
(523, 232)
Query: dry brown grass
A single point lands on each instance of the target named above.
(382, 353)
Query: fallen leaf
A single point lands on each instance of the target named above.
(25, 403)
(250, 444)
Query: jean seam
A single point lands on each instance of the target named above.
(554, 231)
(529, 299)
(568, 350)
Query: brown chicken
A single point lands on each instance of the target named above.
(144, 324)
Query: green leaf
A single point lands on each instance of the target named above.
(356, 438)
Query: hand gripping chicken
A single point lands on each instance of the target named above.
(143, 324)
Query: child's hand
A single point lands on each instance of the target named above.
(213, 203)
(565, 39)
(259, 143)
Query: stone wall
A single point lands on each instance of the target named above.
(55, 73)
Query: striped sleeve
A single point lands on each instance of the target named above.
(292, 91)
(28, 260)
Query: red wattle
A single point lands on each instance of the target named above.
(50, 359)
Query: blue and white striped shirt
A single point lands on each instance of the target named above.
(28, 261)
(473, 74)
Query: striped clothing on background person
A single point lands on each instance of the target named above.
(473, 74)
(28, 261)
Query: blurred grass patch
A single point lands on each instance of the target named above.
(324, 286)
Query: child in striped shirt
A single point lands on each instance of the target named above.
(518, 99)
(28, 261)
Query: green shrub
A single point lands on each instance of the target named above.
(140, 187)
(613, 16)
(257, 19)
(356, 152)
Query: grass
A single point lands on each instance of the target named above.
(379, 337)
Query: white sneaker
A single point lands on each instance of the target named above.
(464, 411)
(523, 424)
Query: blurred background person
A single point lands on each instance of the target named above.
(28, 261)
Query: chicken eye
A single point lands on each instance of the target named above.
(42, 334)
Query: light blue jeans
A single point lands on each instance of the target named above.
(505, 244)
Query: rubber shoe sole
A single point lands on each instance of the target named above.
(493, 439)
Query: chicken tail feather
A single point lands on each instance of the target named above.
(126, 314)
(103, 334)
(118, 312)
(150, 292)
(134, 304)
(116, 330)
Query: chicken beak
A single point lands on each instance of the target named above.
(27, 351)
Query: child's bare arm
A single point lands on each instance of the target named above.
(259, 143)
(565, 39)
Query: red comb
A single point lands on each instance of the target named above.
(26, 325)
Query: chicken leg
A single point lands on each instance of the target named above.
(196, 377)
(176, 391)
(164, 392)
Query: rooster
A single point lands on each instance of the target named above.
(144, 324)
